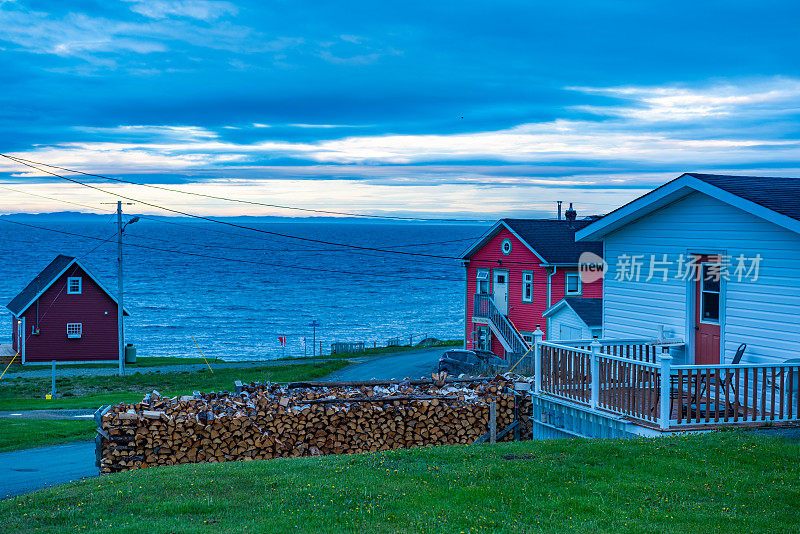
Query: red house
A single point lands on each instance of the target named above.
(65, 314)
(517, 271)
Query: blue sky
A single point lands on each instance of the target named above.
(477, 109)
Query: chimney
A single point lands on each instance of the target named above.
(571, 215)
(559, 209)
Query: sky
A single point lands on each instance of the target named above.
(429, 109)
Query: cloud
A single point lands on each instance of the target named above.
(205, 10)
(94, 38)
(673, 103)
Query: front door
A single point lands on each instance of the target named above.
(707, 312)
(500, 291)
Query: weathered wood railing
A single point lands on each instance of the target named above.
(658, 393)
(566, 372)
(629, 387)
(726, 394)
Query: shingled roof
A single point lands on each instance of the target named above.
(45, 279)
(781, 195)
(590, 310)
(42, 281)
(552, 239)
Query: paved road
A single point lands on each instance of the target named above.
(32, 469)
(67, 370)
(411, 364)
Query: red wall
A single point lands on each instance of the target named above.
(93, 307)
(524, 315)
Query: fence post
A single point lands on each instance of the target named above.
(538, 336)
(666, 362)
(594, 370)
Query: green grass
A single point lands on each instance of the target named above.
(379, 351)
(141, 362)
(92, 391)
(26, 433)
(725, 482)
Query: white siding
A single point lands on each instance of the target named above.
(567, 317)
(764, 314)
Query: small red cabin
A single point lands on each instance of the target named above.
(65, 314)
(515, 272)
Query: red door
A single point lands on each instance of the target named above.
(707, 312)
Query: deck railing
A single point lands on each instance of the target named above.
(656, 393)
(744, 393)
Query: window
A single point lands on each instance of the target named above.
(527, 286)
(506, 246)
(572, 284)
(710, 290)
(482, 287)
(482, 338)
(528, 337)
(74, 330)
(74, 285)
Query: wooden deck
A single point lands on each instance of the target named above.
(697, 397)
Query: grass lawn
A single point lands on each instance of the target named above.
(141, 362)
(25, 433)
(378, 351)
(92, 391)
(722, 482)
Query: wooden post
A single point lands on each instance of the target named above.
(594, 369)
(538, 335)
(53, 386)
(493, 422)
(666, 362)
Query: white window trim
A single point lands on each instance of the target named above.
(69, 284)
(503, 246)
(77, 330)
(569, 293)
(718, 293)
(483, 275)
(524, 283)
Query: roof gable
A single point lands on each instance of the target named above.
(551, 240)
(774, 199)
(590, 310)
(46, 278)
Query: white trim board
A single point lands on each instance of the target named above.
(671, 192)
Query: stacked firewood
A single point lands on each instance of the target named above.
(269, 421)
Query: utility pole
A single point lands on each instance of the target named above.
(120, 306)
(120, 309)
(314, 324)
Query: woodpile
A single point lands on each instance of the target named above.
(263, 421)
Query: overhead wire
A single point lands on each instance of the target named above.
(242, 201)
(238, 260)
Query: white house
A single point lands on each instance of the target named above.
(713, 259)
(575, 318)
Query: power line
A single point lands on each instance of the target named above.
(228, 199)
(250, 228)
(238, 260)
(230, 233)
(228, 223)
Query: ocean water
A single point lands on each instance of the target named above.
(237, 310)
